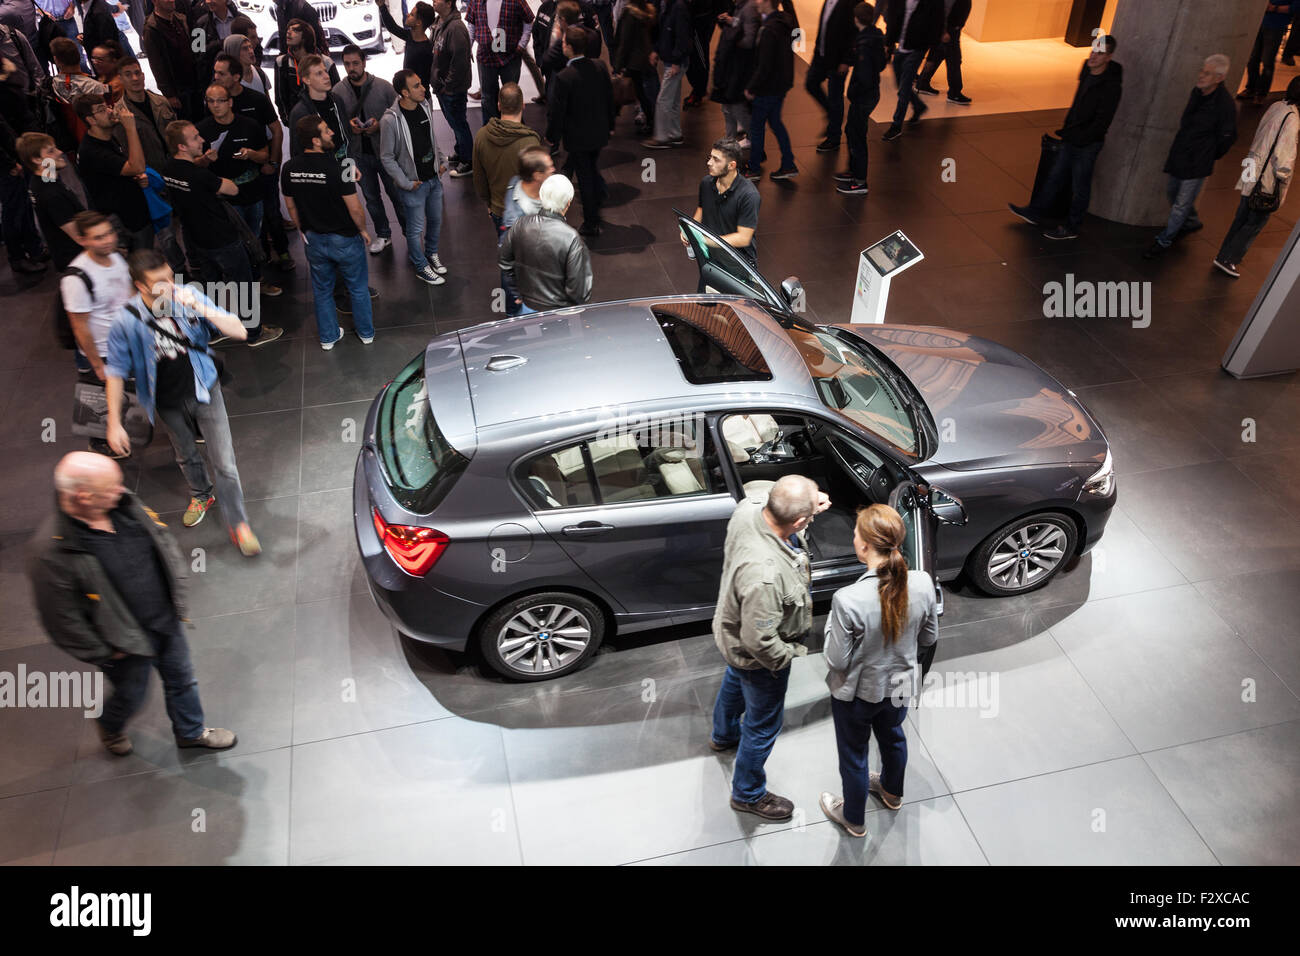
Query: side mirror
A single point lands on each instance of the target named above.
(946, 508)
(792, 289)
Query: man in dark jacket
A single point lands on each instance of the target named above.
(166, 42)
(109, 584)
(450, 81)
(580, 114)
(772, 78)
(97, 25)
(1206, 133)
(1101, 83)
(869, 58)
(704, 20)
(948, 48)
(672, 53)
(286, 10)
(832, 58)
(914, 26)
(214, 18)
(544, 257)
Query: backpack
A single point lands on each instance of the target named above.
(58, 119)
(62, 324)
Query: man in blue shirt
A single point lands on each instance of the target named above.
(161, 339)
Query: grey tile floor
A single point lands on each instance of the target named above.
(1147, 704)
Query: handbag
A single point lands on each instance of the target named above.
(1259, 200)
(624, 91)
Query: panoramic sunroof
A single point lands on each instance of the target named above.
(711, 343)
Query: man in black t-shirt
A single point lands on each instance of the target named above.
(729, 202)
(55, 203)
(114, 178)
(323, 204)
(212, 239)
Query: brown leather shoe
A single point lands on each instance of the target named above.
(769, 806)
(119, 744)
(887, 798)
(213, 738)
(833, 807)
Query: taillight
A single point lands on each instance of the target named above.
(414, 549)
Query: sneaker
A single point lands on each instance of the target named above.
(461, 170)
(769, 806)
(892, 133)
(692, 101)
(101, 447)
(1153, 250)
(656, 144)
(436, 264)
(246, 541)
(785, 172)
(269, 334)
(718, 748)
(539, 99)
(218, 339)
(919, 110)
(753, 173)
(1025, 213)
(29, 266)
(857, 188)
(925, 88)
(374, 293)
(1227, 267)
(1288, 59)
(197, 509)
(887, 798)
(959, 98)
(677, 141)
(379, 244)
(845, 176)
(828, 145)
(329, 345)
(427, 274)
(284, 262)
(364, 340)
(1061, 232)
(639, 119)
(269, 290)
(118, 744)
(213, 738)
(833, 807)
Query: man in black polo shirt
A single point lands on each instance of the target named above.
(114, 178)
(728, 201)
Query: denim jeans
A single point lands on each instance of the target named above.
(226, 264)
(668, 105)
(490, 80)
(423, 209)
(855, 721)
(454, 107)
(830, 99)
(372, 174)
(1246, 225)
(855, 131)
(130, 679)
(1263, 58)
(951, 52)
(513, 302)
(767, 112)
(186, 422)
(759, 696)
(1182, 197)
(329, 256)
(252, 216)
(20, 234)
(1074, 165)
(905, 68)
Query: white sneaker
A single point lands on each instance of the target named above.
(428, 275)
(379, 244)
(436, 265)
(744, 143)
(364, 340)
(329, 345)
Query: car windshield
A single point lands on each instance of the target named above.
(850, 381)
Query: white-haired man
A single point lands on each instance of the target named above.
(1207, 131)
(544, 257)
(109, 583)
(764, 614)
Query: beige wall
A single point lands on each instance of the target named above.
(1017, 19)
(808, 12)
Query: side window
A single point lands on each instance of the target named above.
(557, 479)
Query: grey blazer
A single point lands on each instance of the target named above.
(860, 663)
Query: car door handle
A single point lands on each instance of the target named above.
(586, 528)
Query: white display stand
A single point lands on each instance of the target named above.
(876, 266)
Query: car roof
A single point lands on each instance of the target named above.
(611, 354)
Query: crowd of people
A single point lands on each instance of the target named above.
(125, 189)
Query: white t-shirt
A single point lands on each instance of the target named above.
(112, 290)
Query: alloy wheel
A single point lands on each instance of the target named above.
(1027, 555)
(543, 638)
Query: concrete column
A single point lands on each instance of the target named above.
(1162, 47)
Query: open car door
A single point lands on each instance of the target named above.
(726, 271)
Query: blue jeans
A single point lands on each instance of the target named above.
(226, 264)
(130, 679)
(423, 210)
(372, 174)
(252, 216)
(767, 112)
(1074, 165)
(454, 107)
(758, 695)
(513, 302)
(830, 99)
(185, 423)
(1246, 225)
(905, 67)
(329, 254)
(1182, 197)
(855, 721)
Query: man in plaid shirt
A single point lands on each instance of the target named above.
(498, 29)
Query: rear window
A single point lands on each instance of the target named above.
(420, 465)
(711, 344)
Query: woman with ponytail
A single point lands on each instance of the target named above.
(875, 628)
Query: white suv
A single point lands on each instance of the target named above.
(345, 21)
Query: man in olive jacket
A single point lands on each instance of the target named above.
(109, 583)
(764, 613)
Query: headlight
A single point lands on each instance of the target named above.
(1102, 481)
(355, 3)
(254, 6)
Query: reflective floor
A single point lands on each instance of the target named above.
(1141, 709)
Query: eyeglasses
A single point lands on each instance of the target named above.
(210, 99)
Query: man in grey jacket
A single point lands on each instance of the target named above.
(410, 154)
(544, 257)
(763, 616)
(363, 99)
(109, 583)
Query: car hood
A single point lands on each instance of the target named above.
(992, 406)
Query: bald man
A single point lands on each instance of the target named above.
(109, 584)
(764, 614)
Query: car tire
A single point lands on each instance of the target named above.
(517, 641)
(997, 568)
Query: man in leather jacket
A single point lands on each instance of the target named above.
(544, 256)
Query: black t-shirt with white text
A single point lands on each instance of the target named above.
(316, 184)
(193, 193)
(255, 106)
(239, 133)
